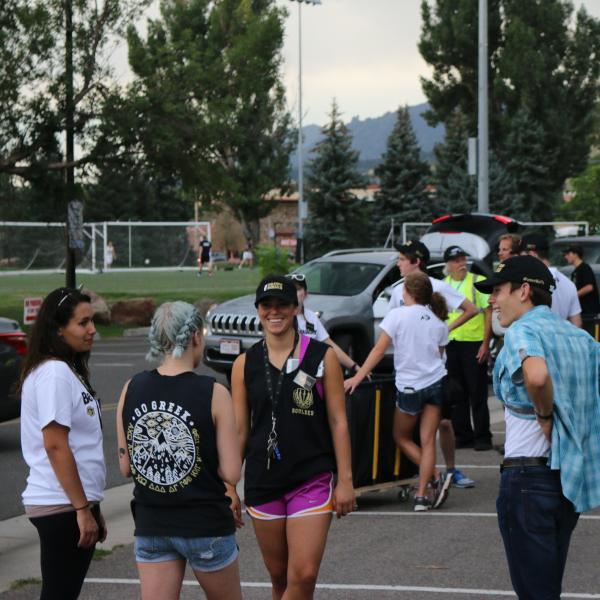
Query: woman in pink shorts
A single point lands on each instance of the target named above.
(289, 401)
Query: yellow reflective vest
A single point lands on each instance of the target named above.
(474, 329)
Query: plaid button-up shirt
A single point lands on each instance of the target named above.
(572, 358)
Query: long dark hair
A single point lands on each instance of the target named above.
(44, 342)
(418, 285)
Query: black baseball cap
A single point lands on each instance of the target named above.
(276, 286)
(534, 241)
(519, 269)
(414, 248)
(452, 252)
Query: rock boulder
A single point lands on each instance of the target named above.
(133, 312)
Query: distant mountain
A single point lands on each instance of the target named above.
(370, 136)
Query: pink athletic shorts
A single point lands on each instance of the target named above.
(314, 497)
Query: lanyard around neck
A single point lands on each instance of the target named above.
(274, 394)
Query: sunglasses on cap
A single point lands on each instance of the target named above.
(297, 276)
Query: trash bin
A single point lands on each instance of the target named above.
(592, 326)
(375, 457)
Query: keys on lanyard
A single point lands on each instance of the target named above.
(273, 451)
(272, 446)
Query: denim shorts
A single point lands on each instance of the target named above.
(413, 403)
(204, 554)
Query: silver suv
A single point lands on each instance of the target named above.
(343, 286)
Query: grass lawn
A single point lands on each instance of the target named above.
(162, 286)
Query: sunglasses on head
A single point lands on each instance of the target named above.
(297, 276)
(67, 293)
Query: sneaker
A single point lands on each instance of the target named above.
(443, 485)
(460, 480)
(421, 504)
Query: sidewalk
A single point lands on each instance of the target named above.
(19, 545)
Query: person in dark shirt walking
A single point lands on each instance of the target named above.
(177, 439)
(585, 281)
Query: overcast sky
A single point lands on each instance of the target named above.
(362, 52)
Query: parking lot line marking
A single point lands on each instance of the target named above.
(101, 353)
(95, 364)
(497, 467)
(442, 513)
(361, 587)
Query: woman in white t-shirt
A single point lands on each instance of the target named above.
(61, 440)
(419, 334)
(310, 325)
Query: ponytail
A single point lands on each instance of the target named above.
(439, 306)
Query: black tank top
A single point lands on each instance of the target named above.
(173, 455)
(302, 427)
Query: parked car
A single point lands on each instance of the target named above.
(350, 290)
(342, 285)
(13, 345)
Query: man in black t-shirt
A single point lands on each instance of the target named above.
(585, 281)
(204, 248)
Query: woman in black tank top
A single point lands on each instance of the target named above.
(290, 412)
(177, 439)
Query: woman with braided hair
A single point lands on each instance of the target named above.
(177, 439)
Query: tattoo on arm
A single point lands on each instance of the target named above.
(121, 451)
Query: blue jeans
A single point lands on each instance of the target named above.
(205, 554)
(536, 522)
(413, 403)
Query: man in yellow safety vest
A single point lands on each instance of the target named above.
(468, 353)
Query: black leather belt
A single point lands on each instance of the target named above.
(524, 461)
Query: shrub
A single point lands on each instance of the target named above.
(272, 260)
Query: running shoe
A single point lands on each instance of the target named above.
(421, 504)
(443, 486)
(460, 480)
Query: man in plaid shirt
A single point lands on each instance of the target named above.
(547, 377)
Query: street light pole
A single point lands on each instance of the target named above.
(483, 185)
(302, 212)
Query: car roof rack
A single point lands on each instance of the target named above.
(355, 250)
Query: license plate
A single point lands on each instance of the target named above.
(230, 347)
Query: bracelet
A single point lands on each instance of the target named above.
(82, 507)
(544, 417)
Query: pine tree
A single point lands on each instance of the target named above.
(456, 189)
(542, 60)
(404, 177)
(337, 218)
(526, 156)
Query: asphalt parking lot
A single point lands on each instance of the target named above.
(383, 551)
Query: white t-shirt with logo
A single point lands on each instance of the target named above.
(565, 302)
(52, 392)
(453, 297)
(310, 325)
(417, 335)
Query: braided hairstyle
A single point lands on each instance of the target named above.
(172, 328)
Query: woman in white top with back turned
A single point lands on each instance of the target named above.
(419, 334)
(61, 439)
